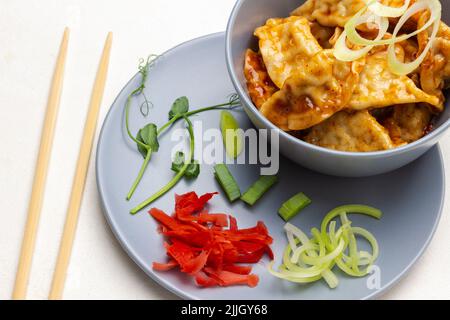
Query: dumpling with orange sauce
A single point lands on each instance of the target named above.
(379, 87)
(435, 69)
(259, 85)
(330, 13)
(313, 93)
(336, 13)
(286, 45)
(408, 123)
(356, 131)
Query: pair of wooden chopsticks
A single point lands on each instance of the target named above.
(34, 210)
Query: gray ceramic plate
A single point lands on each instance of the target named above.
(411, 198)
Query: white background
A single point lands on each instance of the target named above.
(30, 33)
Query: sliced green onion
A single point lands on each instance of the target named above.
(227, 182)
(232, 136)
(293, 206)
(257, 190)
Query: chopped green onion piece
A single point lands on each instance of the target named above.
(232, 138)
(227, 182)
(257, 190)
(293, 206)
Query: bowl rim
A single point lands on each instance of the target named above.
(268, 124)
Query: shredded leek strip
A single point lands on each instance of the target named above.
(359, 209)
(308, 249)
(332, 232)
(375, 12)
(331, 279)
(316, 234)
(401, 68)
(295, 266)
(365, 258)
(344, 53)
(290, 278)
(302, 237)
(434, 6)
(370, 238)
(326, 258)
(292, 241)
(296, 232)
(306, 260)
(327, 274)
(313, 272)
(352, 246)
(375, 252)
(387, 11)
(348, 270)
(300, 250)
(310, 271)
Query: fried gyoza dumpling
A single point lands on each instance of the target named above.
(379, 87)
(259, 85)
(286, 45)
(330, 13)
(313, 93)
(326, 86)
(336, 13)
(351, 131)
(408, 123)
(435, 69)
(323, 34)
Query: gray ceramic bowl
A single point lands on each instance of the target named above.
(248, 15)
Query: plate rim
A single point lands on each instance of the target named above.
(396, 280)
(173, 288)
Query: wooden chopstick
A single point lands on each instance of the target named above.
(68, 236)
(40, 176)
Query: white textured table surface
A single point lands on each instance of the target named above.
(30, 32)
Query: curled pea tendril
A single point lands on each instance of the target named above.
(145, 106)
(234, 100)
(144, 66)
